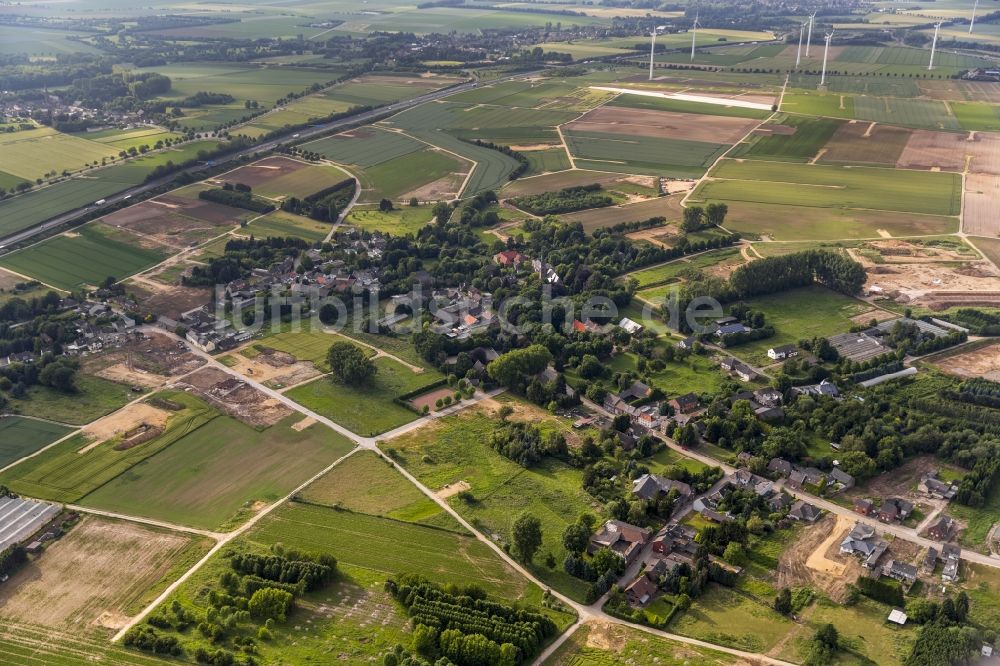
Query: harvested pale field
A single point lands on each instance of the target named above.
(982, 362)
(445, 188)
(148, 362)
(203, 210)
(985, 150)
(572, 178)
(124, 420)
(866, 143)
(935, 150)
(982, 192)
(944, 90)
(663, 124)
(90, 576)
(168, 301)
(921, 281)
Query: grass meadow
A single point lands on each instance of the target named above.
(368, 410)
(94, 398)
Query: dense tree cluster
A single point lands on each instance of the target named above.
(565, 200)
(228, 195)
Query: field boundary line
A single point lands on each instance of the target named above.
(152, 522)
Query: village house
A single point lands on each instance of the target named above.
(707, 506)
(621, 538)
(804, 512)
(508, 258)
(862, 542)
(824, 388)
(684, 404)
(930, 560)
(782, 352)
(941, 529)
(780, 467)
(951, 556)
(894, 510)
(931, 485)
(864, 506)
(840, 480)
(676, 539)
(629, 326)
(740, 369)
(687, 344)
(652, 487)
(640, 591)
(901, 571)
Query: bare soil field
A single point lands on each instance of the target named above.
(982, 362)
(979, 91)
(598, 218)
(148, 362)
(935, 150)
(864, 143)
(924, 274)
(663, 124)
(174, 225)
(979, 218)
(273, 368)
(445, 188)
(236, 398)
(771, 129)
(571, 178)
(168, 300)
(815, 559)
(900, 482)
(985, 150)
(80, 581)
(944, 90)
(262, 171)
(430, 398)
(664, 236)
(125, 420)
(203, 210)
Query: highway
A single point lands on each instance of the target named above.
(296, 138)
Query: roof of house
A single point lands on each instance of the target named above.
(804, 511)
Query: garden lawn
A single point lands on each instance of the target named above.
(195, 481)
(308, 345)
(456, 448)
(367, 410)
(20, 437)
(800, 314)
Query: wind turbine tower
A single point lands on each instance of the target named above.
(694, 36)
(972, 23)
(798, 53)
(809, 35)
(826, 52)
(937, 27)
(652, 53)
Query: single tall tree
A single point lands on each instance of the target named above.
(527, 535)
(349, 365)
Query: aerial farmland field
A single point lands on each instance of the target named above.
(642, 154)
(205, 488)
(365, 146)
(32, 154)
(835, 186)
(788, 138)
(21, 436)
(83, 257)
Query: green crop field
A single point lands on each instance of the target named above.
(365, 483)
(801, 314)
(928, 114)
(398, 178)
(810, 135)
(307, 345)
(542, 161)
(858, 85)
(23, 644)
(457, 449)
(281, 223)
(64, 474)
(976, 116)
(20, 437)
(819, 104)
(93, 398)
(642, 154)
(194, 481)
(31, 154)
(425, 121)
(365, 147)
(398, 222)
(32, 40)
(84, 257)
(368, 410)
(684, 106)
(301, 183)
(835, 186)
(125, 139)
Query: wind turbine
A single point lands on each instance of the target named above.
(809, 36)
(972, 23)
(652, 49)
(937, 27)
(798, 54)
(826, 52)
(694, 35)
